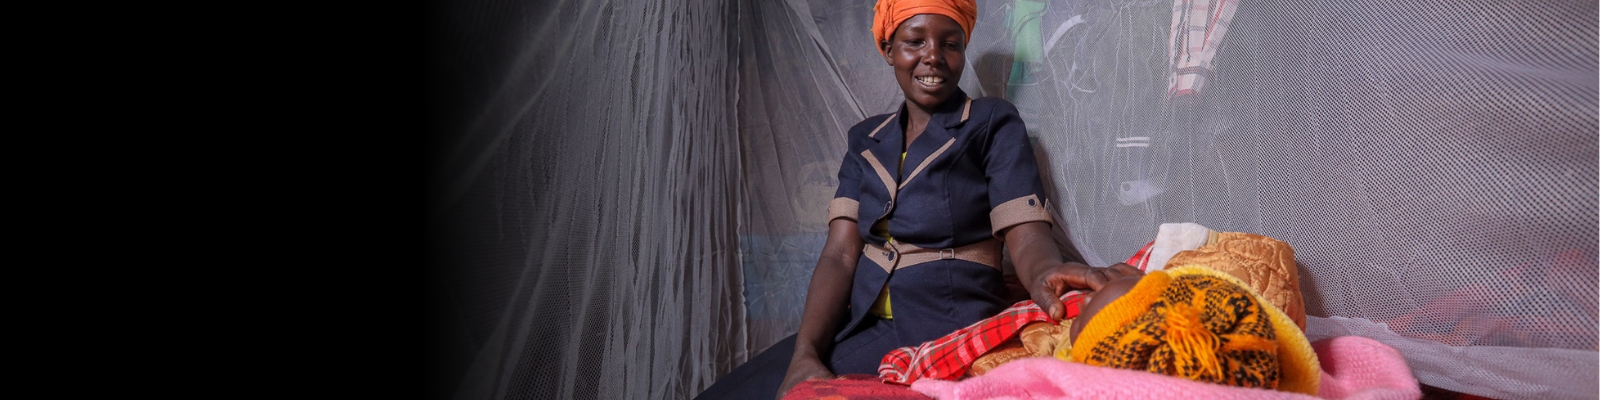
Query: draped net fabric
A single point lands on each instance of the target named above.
(629, 196)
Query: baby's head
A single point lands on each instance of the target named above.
(1097, 300)
(1193, 323)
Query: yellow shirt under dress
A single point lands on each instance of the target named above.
(880, 308)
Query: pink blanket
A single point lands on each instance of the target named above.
(1353, 367)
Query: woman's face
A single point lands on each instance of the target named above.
(928, 53)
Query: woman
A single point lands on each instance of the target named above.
(926, 197)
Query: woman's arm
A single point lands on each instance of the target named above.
(1013, 175)
(826, 303)
(1041, 270)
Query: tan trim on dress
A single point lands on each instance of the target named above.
(901, 255)
(843, 207)
(1018, 211)
(879, 255)
(885, 123)
(966, 110)
(927, 161)
(883, 173)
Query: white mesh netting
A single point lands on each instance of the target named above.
(630, 194)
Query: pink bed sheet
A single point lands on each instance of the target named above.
(1353, 368)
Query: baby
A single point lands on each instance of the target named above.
(1195, 323)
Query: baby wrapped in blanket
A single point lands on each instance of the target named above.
(1192, 321)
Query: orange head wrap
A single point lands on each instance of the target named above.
(890, 13)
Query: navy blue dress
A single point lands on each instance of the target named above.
(970, 175)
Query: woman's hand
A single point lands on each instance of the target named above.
(803, 369)
(1046, 277)
(827, 302)
(1048, 285)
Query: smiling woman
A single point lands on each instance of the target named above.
(929, 196)
(928, 53)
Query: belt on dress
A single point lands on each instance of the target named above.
(900, 255)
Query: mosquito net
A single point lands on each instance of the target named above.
(630, 196)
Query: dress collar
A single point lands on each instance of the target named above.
(950, 114)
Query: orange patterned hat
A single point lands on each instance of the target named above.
(888, 15)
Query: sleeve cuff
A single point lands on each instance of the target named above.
(1018, 211)
(843, 207)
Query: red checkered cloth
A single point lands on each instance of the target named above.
(853, 387)
(950, 356)
(1141, 260)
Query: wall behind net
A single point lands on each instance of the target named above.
(630, 195)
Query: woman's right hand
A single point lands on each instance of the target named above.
(803, 369)
(1050, 284)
